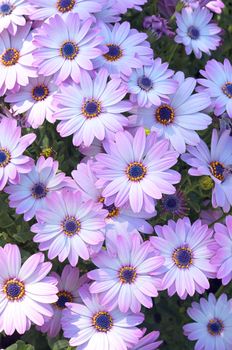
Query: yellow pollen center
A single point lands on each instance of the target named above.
(217, 170)
(10, 57)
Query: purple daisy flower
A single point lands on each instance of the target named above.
(175, 204)
(44, 9)
(149, 85)
(148, 341)
(158, 26)
(35, 99)
(196, 32)
(127, 279)
(212, 326)
(215, 163)
(25, 291)
(177, 119)
(127, 49)
(217, 83)
(34, 188)
(92, 109)
(16, 59)
(68, 225)
(68, 284)
(92, 325)
(12, 14)
(185, 248)
(65, 47)
(136, 170)
(85, 179)
(223, 257)
(12, 146)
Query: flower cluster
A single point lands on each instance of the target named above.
(114, 213)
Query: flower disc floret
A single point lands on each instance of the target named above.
(114, 53)
(145, 83)
(65, 5)
(113, 211)
(63, 297)
(5, 157)
(193, 32)
(71, 226)
(227, 89)
(136, 171)
(217, 169)
(127, 274)
(10, 57)
(69, 50)
(39, 191)
(14, 289)
(215, 326)
(91, 108)
(5, 9)
(183, 257)
(102, 321)
(165, 114)
(40, 92)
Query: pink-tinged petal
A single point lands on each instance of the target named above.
(13, 259)
(30, 266)
(124, 297)
(139, 143)
(150, 264)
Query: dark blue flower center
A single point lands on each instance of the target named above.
(127, 274)
(65, 5)
(182, 257)
(102, 321)
(114, 53)
(136, 171)
(171, 202)
(193, 33)
(40, 92)
(164, 114)
(112, 210)
(215, 326)
(227, 89)
(145, 83)
(14, 289)
(39, 190)
(69, 50)
(91, 108)
(217, 169)
(5, 9)
(10, 57)
(3, 156)
(63, 297)
(71, 225)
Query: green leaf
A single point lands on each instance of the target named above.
(60, 344)
(20, 345)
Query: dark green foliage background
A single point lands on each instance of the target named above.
(168, 314)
